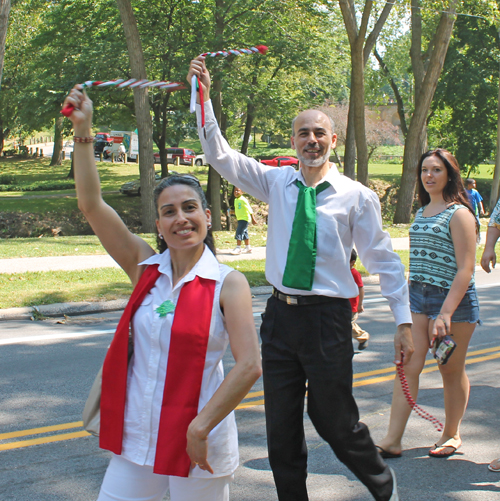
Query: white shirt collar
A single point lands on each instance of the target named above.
(333, 177)
(207, 266)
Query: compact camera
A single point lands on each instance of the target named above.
(442, 349)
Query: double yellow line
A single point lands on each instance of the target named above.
(253, 399)
(376, 376)
(41, 431)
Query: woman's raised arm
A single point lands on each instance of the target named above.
(127, 249)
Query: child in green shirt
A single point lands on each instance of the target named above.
(243, 212)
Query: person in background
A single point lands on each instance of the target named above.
(167, 413)
(488, 259)
(475, 199)
(358, 333)
(122, 153)
(443, 297)
(243, 212)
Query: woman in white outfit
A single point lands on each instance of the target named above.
(196, 459)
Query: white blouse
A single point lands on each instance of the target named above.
(148, 367)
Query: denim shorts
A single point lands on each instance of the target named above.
(242, 230)
(427, 299)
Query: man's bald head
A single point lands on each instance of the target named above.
(314, 114)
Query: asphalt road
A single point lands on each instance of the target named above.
(47, 367)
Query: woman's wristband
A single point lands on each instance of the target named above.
(78, 139)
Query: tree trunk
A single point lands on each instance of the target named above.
(160, 131)
(71, 173)
(4, 24)
(423, 99)
(350, 143)
(360, 51)
(248, 128)
(397, 94)
(58, 142)
(143, 117)
(358, 87)
(3, 134)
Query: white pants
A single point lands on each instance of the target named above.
(126, 481)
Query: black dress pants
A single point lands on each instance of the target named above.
(312, 344)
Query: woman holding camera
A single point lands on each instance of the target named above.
(443, 298)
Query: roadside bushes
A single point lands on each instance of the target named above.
(8, 179)
(50, 185)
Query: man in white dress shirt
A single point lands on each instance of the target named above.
(306, 332)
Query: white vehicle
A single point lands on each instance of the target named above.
(109, 150)
(130, 141)
(200, 160)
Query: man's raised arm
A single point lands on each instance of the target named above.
(246, 173)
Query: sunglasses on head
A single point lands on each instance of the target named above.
(188, 176)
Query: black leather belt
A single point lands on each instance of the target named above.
(302, 300)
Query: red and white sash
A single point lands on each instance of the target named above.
(186, 361)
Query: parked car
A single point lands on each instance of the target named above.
(133, 188)
(68, 147)
(200, 160)
(185, 156)
(282, 161)
(103, 136)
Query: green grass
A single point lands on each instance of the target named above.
(104, 284)
(257, 234)
(64, 201)
(82, 245)
(254, 270)
(397, 230)
(46, 288)
(101, 284)
(31, 171)
(89, 244)
(37, 288)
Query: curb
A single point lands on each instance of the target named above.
(81, 308)
(61, 309)
(85, 308)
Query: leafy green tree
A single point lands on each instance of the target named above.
(268, 91)
(465, 105)
(4, 22)
(427, 63)
(142, 112)
(361, 47)
(69, 44)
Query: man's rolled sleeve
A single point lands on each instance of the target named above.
(375, 251)
(246, 173)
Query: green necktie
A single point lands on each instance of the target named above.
(301, 258)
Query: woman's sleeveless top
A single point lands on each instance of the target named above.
(432, 253)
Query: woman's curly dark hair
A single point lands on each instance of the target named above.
(454, 191)
(194, 184)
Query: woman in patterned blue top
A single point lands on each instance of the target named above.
(442, 295)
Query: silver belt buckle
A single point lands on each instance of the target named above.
(291, 300)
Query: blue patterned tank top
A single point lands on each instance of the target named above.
(432, 254)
